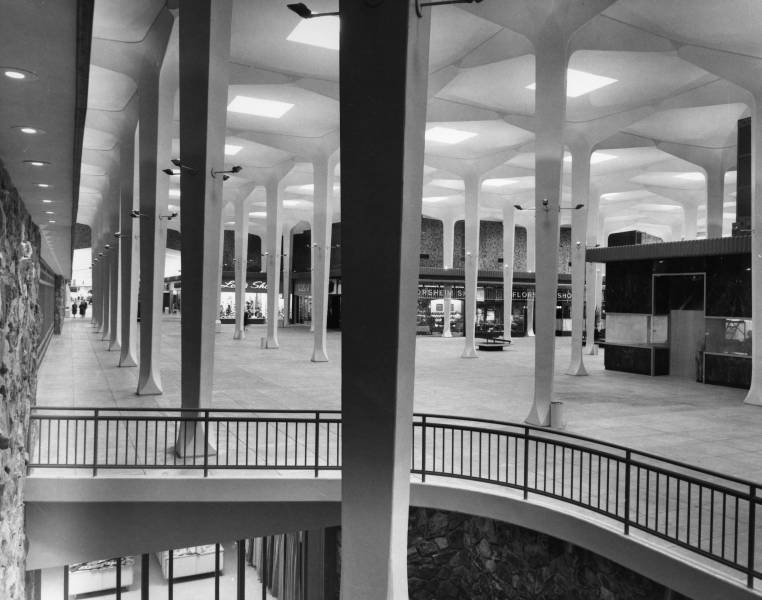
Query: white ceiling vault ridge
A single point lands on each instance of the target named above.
(637, 94)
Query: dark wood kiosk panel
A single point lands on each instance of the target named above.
(679, 308)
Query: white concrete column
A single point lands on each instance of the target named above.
(755, 390)
(323, 172)
(550, 114)
(509, 228)
(471, 244)
(274, 199)
(204, 58)
(593, 205)
(115, 329)
(690, 210)
(157, 92)
(448, 245)
(286, 274)
(715, 197)
(580, 195)
(105, 259)
(384, 73)
(241, 264)
(129, 252)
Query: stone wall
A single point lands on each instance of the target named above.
(452, 555)
(491, 246)
(432, 243)
(19, 331)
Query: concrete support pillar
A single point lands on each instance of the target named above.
(115, 330)
(755, 390)
(550, 113)
(509, 228)
(593, 205)
(286, 275)
(448, 245)
(204, 57)
(323, 169)
(690, 210)
(274, 199)
(715, 197)
(472, 188)
(384, 73)
(129, 255)
(157, 90)
(104, 261)
(531, 266)
(580, 195)
(241, 265)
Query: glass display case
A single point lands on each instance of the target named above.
(728, 336)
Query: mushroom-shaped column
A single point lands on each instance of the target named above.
(204, 57)
(746, 71)
(509, 243)
(715, 162)
(157, 87)
(106, 259)
(129, 232)
(286, 254)
(274, 199)
(241, 260)
(97, 287)
(114, 329)
(323, 172)
(472, 188)
(384, 72)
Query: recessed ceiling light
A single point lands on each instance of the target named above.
(499, 182)
(229, 222)
(323, 32)
(42, 185)
(579, 83)
(18, 74)
(28, 130)
(232, 149)
(446, 135)
(272, 109)
(51, 221)
(46, 201)
(173, 207)
(435, 198)
(257, 214)
(595, 157)
(37, 163)
(292, 203)
(174, 193)
(695, 176)
(49, 212)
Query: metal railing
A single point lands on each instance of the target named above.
(705, 512)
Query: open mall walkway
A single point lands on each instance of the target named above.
(705, 425)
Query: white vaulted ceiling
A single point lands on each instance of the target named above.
(480, 70)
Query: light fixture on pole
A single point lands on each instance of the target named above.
(168, 217)
(304, 12)
(545, 204)
(236, 169)
(419, 5)
(179, 165)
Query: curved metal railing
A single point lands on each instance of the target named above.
(705, 512)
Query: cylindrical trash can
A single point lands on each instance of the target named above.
(557, 417)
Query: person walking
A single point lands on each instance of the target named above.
(82, 308)
(73, 309)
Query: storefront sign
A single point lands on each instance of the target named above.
(524, 294)
(302, 288)
(252, 287)
(436, 292)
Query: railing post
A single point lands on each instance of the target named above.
(752, 535)
(206, 442)
(423, 448)
(526, 463)
(95, 445)
(626, 494)
(317, 443)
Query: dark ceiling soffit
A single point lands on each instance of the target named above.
(683, 249)
(84, 42)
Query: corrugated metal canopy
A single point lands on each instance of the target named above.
(707, 247)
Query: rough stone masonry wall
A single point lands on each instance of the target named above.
(19, 332)
(452, 555)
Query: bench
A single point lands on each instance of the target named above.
(493, 343)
